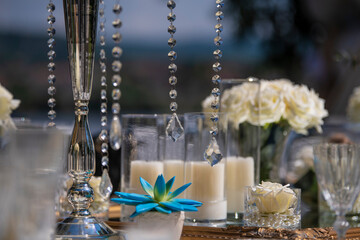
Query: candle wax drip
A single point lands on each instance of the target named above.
(212, 153)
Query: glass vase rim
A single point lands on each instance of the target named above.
(140, 115)
(204, 113)
(240, 80)
(327, 145)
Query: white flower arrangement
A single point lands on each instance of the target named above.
(353, 108)
(280, 100)
(7, 105)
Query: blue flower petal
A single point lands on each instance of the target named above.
(187, 202)
(172, 205)
(134, 214)
(141, 208)
(179, 191)
(189, 208)
(169, 185)
(134, 196)
(159, 188)
(162, 210)
(147, 187)
(126, 201)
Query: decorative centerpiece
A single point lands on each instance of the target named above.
(158, 213)
(272, 205)
(7, 105)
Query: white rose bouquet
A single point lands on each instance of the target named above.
(353, 108)
(281, 102)
(7, 105)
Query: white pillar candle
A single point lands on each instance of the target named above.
(148, 170)
(174, 168)
(208, 187)
(239, 173)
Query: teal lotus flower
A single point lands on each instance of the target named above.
(158, 198)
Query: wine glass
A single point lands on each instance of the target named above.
(338, 173)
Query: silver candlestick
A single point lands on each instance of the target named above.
(80, 24)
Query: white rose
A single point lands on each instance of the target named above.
(206, 104)
(316, 116)
(235, 103)
(353, 109)
(279, 85)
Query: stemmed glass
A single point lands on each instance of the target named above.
(338, 173)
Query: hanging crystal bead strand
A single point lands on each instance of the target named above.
(105, 187)
(51, 66)
(212, 154)
(174, 128)
(115, 129)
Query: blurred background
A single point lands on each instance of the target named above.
(310, 42)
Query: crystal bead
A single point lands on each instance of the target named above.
(214, 131)
(117, 52)
(220, 2)
(173, 106)
(171, 4)
(216, 79)
(212, 153)
(115, 133)
(172, 80)
(171, 17)
(116, 94)
(116, 66)
(52, 114)
(214, 117)
(218, 40)
(103, 121)
(105, 187)
(101, 12)
(172, 42)
(51, 79)
(173, 94)
(102, 40)
(51, 19)
(172, 68)
(51, 31)
(103, 81)
(102, 54)
(117, 9)
(51, 90)
(103, 135)
(51, 55)
(51, 124)
(215, 92)
(103, 107)
(116, 80)
(174, 129)
(115, 108)
(172, 55)
(102, 26)
(117, 23)
(217, 67)
(51, 102)
(215, 105)
(217, 54)
(50, 7)
(51, 42)
(218, 28)
(103, 67)
(51, 67)
(219, 15)
(105, 161)
(104, 148)
(103, 94)
(117, 37)
(171, 29)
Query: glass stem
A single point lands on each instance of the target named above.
(341, 226)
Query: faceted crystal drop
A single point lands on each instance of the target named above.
(51, 102)
(173, 106)
(116, 94)
(116, 66)
(51, 124)
(117, 23)
(103, 135)
(103, 81)
(51, 79)
(117, 52)
(218, 28)
(51, 90)
(172, 42)
(51, 42)
(171, 29)
(214, 131)
(104, 148)
(212, 153)
(215, 105)
(172, 80)
(215, 92)
(105, 188)
(171, 4)
(218, 41)
(103, 67)
(173, 94)
(101, 12)
(214, 117)
(172, 55)
(51, 19)
(52, 114)
(217, 54)
(102, 54)
(105, 161)
(174, 128)
(171, 17)
(102, 26)
(103, 94)
(51, 55)
(216, 79)
(102, 40)
(220, 2)
(117, 9)
(116, 80)
(51, 31)
(172, 68)
(219, 15)
(103, 107)
(51, 67)
(117, 37)
(103, 121)
(50, 7)
(217, 67)
(115, 108)
(115, 133)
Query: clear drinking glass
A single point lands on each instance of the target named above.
(208, 182)
(338, 173)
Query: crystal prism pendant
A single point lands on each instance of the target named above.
(115, 133)
(212, 153)
(174, 128)
(106, 186)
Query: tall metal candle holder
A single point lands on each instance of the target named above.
(80, 24)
